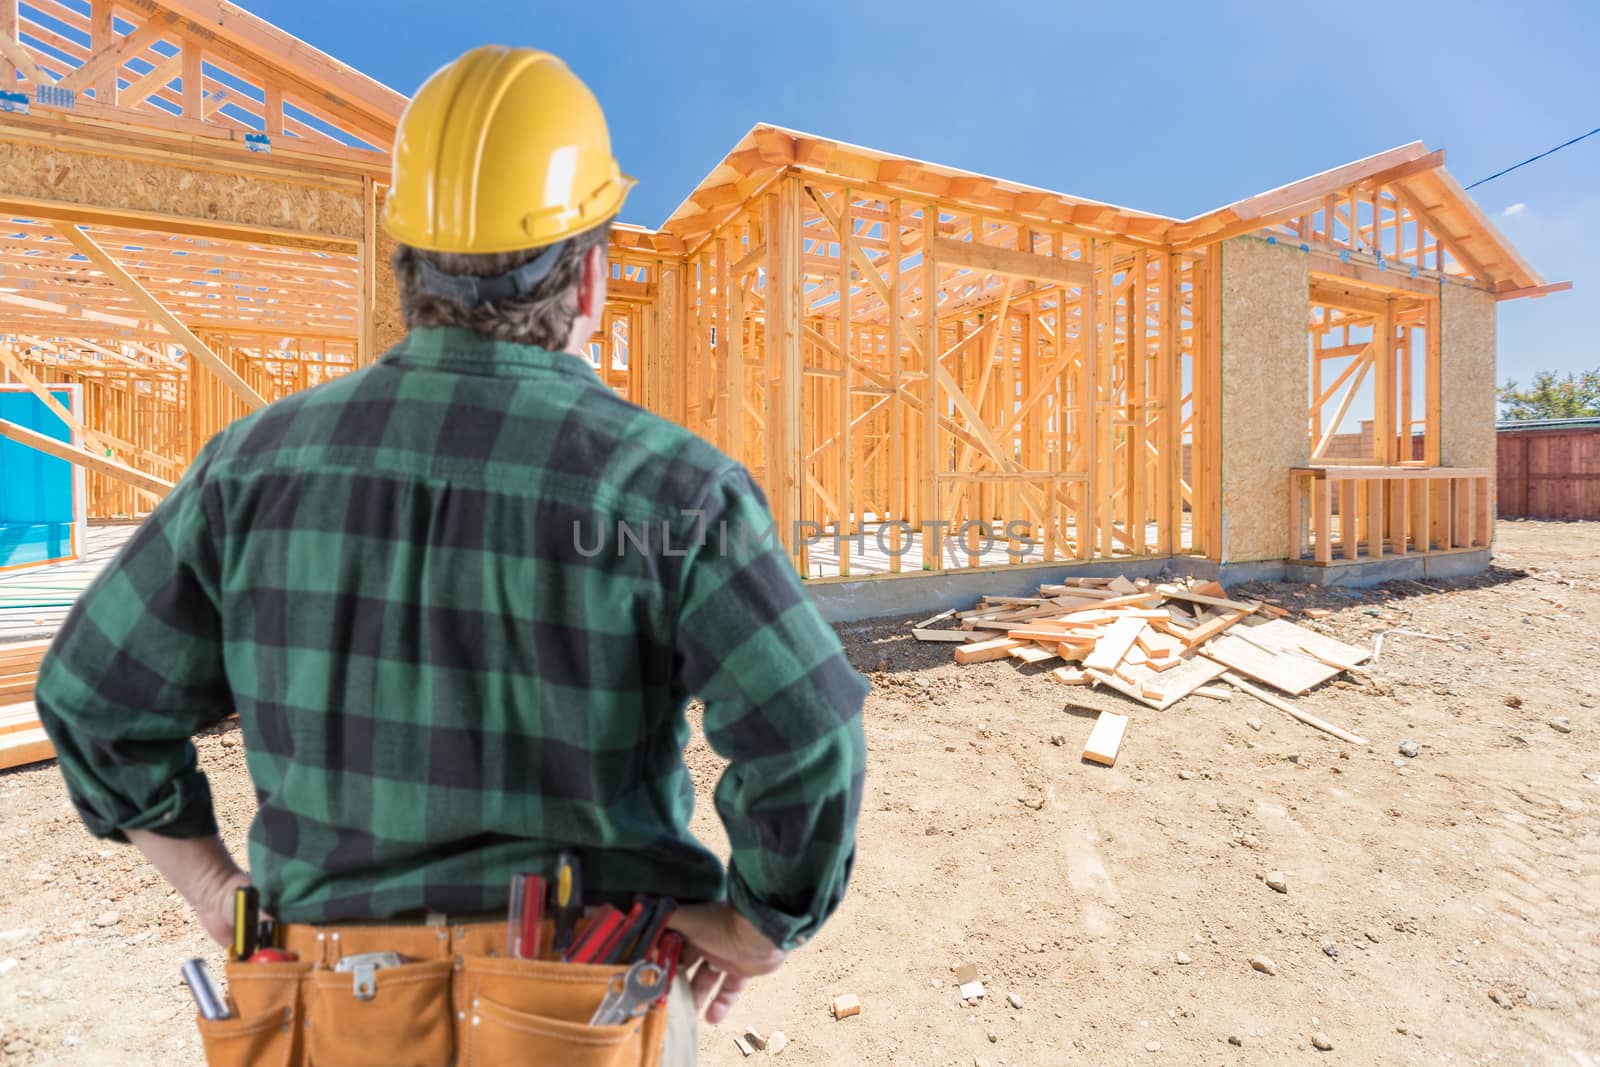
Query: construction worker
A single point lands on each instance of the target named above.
(391, 579)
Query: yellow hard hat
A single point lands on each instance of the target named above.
(503, 149)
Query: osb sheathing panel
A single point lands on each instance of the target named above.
(70, 176)
(1466, 377)
(1265, 392)
(388, 327)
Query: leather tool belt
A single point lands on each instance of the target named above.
(456, 1000)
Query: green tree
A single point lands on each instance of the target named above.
(1575, 396)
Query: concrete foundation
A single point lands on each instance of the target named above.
(916, 597)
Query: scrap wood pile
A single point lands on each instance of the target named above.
(22, 737)
(1155, 643)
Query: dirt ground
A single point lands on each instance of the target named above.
(1440, 910)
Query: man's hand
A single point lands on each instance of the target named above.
(214, 905)
(200, 869)
(729, 949)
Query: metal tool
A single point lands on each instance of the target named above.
(364, 967)
(630, 994)
(207, 997)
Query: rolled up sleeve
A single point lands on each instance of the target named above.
(135, 671)
(783, 706)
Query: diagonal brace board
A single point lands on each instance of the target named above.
(196, 348)
(72, 454)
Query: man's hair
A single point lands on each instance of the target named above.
(543, 317)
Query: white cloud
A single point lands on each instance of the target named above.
(1515, 209)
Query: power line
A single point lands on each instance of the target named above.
(1541, 155)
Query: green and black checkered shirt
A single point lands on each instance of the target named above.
(459, 600)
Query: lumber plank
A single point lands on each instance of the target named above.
(25, 747)
(1089, 592)
(1031, 653)
(1011, 262)
(931, 619)
(1106, 738)
(1110, 649)
(940, 635)
(1210, 601)
(1071, 676)
(1189, 675)
(984, 651)
(30, 651)
(1294, 674)
(1290, 636)
(99, 464)
(1309, 719)
(1206, 631)
(23, 716)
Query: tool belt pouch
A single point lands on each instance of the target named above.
(267, 1007)
(538, 1011)
(385, 1017)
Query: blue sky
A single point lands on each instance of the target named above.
(1161, 110)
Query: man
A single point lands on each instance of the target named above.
(392, 580)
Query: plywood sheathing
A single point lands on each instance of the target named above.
(73, 177)
(1467, 377)
(1265, 380)
(388, 327)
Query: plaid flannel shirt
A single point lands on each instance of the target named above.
(459, 600)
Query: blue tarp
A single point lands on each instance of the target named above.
(36, 506)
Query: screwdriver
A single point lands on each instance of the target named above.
(566, 897)
(246, 922)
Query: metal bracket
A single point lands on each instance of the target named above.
(365, 982)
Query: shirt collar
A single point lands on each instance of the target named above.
(460, 349)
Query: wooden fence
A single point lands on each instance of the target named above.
(1550, 473)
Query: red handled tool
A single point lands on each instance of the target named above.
(273, 955)
(640, 940)
(602, 931)
(525, 916)
(668, 951)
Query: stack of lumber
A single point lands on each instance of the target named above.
(1156, 643)
(22, 739)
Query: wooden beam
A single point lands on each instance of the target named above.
(1330, 265)
(88, 460)
(193, 79)
(1261, 209)
(18, 54)
(8, 32)
(102, 67)
(153, 81)
(230, 28)
(39, 389)
(69, 310)
(1534, 291)
(194, 346)
(1011, 262)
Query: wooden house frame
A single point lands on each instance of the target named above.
(927, 369)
